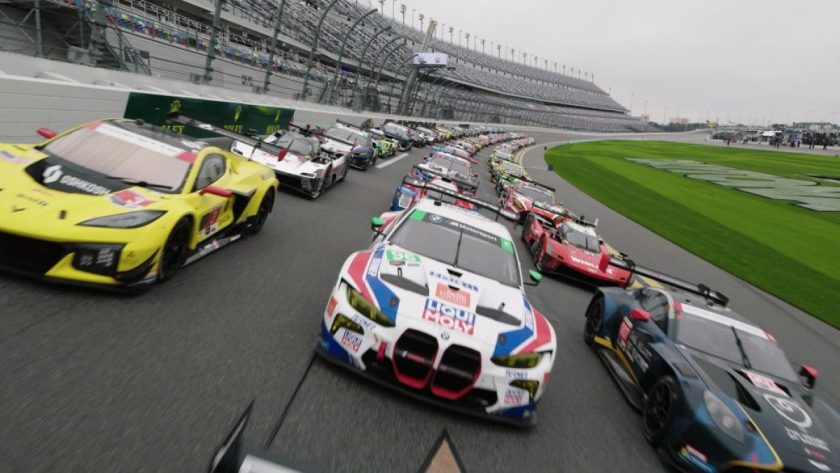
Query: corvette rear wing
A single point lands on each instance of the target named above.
(249, 140)
(445, 177)
(457, 195)
(629, 265)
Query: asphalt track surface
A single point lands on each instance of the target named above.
(92, 381)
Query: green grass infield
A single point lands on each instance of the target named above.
(786, 250)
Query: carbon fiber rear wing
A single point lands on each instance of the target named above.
(249, 140)
(629, 265)
(457, 195)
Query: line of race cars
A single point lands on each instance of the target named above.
(436, 306)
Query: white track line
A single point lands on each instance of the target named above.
(391, 161)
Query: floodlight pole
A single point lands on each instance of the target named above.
(304, 92)
(211, 51)
(341, 53)
(278, 18)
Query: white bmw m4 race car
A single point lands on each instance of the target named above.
(436, 308)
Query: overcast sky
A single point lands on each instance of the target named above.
(753, 60)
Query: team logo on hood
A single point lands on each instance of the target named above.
(453, 318)
(52, 174)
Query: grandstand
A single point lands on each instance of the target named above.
(171, 39)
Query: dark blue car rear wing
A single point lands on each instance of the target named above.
(629, 265)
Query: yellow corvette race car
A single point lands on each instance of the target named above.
(123, 203)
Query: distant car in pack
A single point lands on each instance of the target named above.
(459, 170)
(571, 248)
(399, 133)
(363, 152)
(412, 189)
(297, 161)
(506, 175)
(455, 151)
(528, 196)
(385, 147)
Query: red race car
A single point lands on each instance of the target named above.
(570, 247)
(529, 196)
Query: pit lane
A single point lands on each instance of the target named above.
(102, 382)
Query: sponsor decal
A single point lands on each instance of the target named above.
(820, 465)
(331, 306)
(350, 341)
(366, 323)
(790, 410)
(34, 200)
(696, 458)
(453, 281)
(11, 158)
(506, 245)
(373, 267)
(454, 296)
(208, 222)
(402, 257)
(130, 199)
(808, 440)
(453, 318)
(516, 374)
(764, 382)
(515, 397)
(55, 174)
(624, 331)
(583, 262)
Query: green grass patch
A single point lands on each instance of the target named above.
(788, 251)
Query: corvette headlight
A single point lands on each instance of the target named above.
(723, 416)
(527, 360)
(126, 220)
(366, 308)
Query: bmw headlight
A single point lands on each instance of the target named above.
(526, 360)
(723, 416)
(366, 308)
(126, 220)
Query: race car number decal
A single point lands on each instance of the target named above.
(208, 222)
(402, 257)
(764, 382)
(455, 296)
(129, 199)
(453, 318)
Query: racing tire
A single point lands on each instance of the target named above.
(322, 185)
(659, 409)
(344, 173)
(265, 208)
(174, 252)
(537, 250)
(594, 319)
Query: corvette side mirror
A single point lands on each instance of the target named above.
(536, 277)
(47, 133)
(809, 375)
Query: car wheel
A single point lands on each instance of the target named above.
(659, 408)
(536, 249)
(266, 205)
(344, 172)
(322, 184)
(594, 318)
(175, 250)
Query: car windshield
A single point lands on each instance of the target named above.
(712, 334)
(512, 169)
(298, 145)
(537, 194)
(345, 134)
(457, 244)
(129, 151)
(453, 165)
(581, 240)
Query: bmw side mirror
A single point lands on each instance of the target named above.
(535, 276)
(376, 225)
(809, 376)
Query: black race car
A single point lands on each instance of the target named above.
(716, 392)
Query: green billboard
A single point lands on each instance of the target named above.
(232, 116)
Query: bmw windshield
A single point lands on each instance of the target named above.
(130, 152)
(460, 245)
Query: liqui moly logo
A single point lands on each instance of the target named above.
(449, 317)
